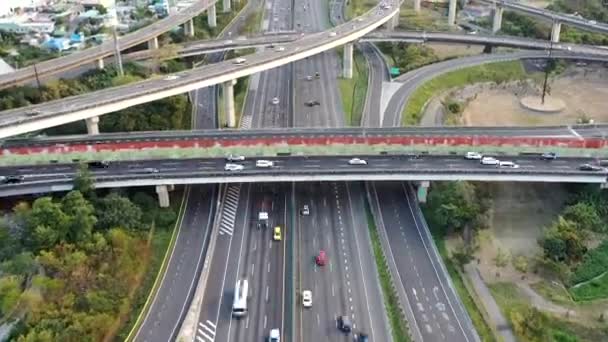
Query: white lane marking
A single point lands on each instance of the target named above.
(265, 321)
(267, 293)
(575, 133)
(211, 324)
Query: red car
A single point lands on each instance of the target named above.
(321, 259)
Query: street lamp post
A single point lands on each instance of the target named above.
(547, 71)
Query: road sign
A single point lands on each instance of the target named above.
(394, 71)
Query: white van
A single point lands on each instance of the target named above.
(239, 305)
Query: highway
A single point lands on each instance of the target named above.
(170, 304)
(581, 23)
(242, 251)
(378, 74)
(106, 49)
(208, 46)
(33, 118)
(438, 314)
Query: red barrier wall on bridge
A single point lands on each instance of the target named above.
(486, 141)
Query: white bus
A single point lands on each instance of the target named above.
(239, 306)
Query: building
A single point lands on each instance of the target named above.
(95, 3)
(9, 7)
(23, 24)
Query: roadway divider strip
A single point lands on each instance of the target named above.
(162, 271)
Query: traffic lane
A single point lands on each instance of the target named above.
(379, 330)
(332, 276)
(171, 301)
(216, 307)
(434, 315)
(230, 273)
(318, 322)
(372, 115)
(429, 163)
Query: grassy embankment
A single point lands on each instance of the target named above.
(464, 289)
(495, 72)
(548, 327)
(398, 323)
(162, 240)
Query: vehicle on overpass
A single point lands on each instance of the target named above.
(589, 167)
(473, 156)
(548, 156)
(239, 305)
(508, 165)
(12, 179)
(357, 161)
(235, 158)
(264, 163)
(233, 167)
(489, 161)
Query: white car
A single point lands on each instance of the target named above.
(233, 167)
(239, 60)
(307, 298)
(151, 170)
(275, 335)
(275, 101)
(357, 161)
(279, 49)
(508, 165)
(332, 34)
(228, 42)
(264, 163)
(489, 161)
(235, 158)
(592, 22)
(473, 156)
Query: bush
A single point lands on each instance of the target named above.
(594, 264)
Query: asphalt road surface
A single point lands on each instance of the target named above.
(438, 315)
(174, 294)
(348, 283)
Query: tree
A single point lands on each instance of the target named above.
(530, 324)
(83, 182)
(81, 215)
(117, 211)
(453, 205)
(47, 223)
(585, 216)
(563, 241)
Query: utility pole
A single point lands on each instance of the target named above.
(37, 80)
(117, 53)
(547, 71)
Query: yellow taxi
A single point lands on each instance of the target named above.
(277, 234)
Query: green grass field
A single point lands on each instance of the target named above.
(494, 72)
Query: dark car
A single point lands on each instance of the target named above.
(13, 179)
(589, 167)
(344, 324)
(548, 156)
(317, 75)
(313, 103)
(363, 338)
(103, 164)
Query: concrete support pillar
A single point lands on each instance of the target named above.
(347, 64)
(93, 125)
(153, 43)
(452, 13)
(211, 17)
(163, 196)
(555, 30)
(497, 21)
(417, 6)
(228, 93)
(189, 28)
(226, 5)
(423, 189)
(100, 64)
